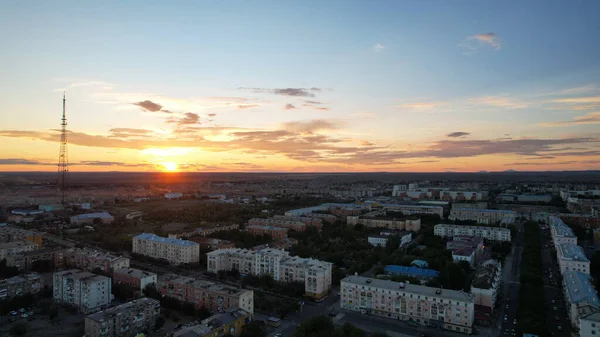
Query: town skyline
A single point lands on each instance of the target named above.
(337, 86)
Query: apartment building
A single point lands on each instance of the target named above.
(204, 231)
(310, 221)
(135, 278)
(276, 233)
(20, 285)
(415, 209)
(382, 239)
(90, 259)
(297, 226)
(488, 233)
(210, 244)
(379, 219)
(571, 257)
(230, 322)
(16, 247)
(560, 232)
(213, 296)
(8, 234)
(86, 291)
(315, 274)
(24, 261)
(125, 320)
(466, 248)
(334, 208)
(581, 298)
(92, 218)
(441, 308)
(176, 251)
(485, 288)
(483, 216)
(589, 324)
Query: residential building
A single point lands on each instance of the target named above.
(571, 257)
(415, 209)
(210, 244)
(125, 320)
(16, 247)
(466, 248)
(297, 226)
(383, 219)
(135, 278)
(173, 195)
(276, 233)
(230, 322)
(483, 216)
(465, 254)
(310, 221)
(488, 233)
(442, 308)
(176, 251)
(204, 231)
(589, 325)
(90, 259)
(24, 261)
(560, 232)
(398, 190)
(334, 208)
(92, 218)
(485, 288)
(580, 296)
(8, 233)
(382, 239)
(315, 274)
(86, 291)
(20, 285)
(586, 220)
(420, 273)
(213, 296)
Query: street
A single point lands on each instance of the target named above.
(509, 302)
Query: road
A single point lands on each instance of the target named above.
(506, 313)
(553, 290)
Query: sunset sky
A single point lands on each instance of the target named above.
(301, 85)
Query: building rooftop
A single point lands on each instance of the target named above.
(5, 229)
(101, 215)
(485, 275)
(571, 251)
(411, 206)
(84, 276)
(411, 271)
(135, 306)
(579, 288)
(200, 284)
(209, 324)
(463, 251)
(267, 228)
(20, 279)
(487, 228)
(137, 273)
(485, 210)
(17, 244)
(156, 238)
(454, 295)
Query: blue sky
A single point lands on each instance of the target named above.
(397, 74)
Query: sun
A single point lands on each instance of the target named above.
(169, 166)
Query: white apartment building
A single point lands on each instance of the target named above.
(488, 233)
(397, 190)
(486, 284)
(16, 247)
(125, 320)
(382, 239)
(581, 298)
(86, 291)
(560, 232)
(315, 274)
(483, 216)
(571, 257)
(176, 251)
(442, 308)
(589, 325)
(415, 209)
(465, 254)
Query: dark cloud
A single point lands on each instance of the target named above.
(458, 134)
(294, 92)
(289, 107)
(21, 161)
(315, 107)
(108, 163)
(427, 161)
(189, 118)
(313, 102)
(149, 106)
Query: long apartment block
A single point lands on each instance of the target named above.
(315, 274)
(213, 296)
(483, 216)
(176, 251)
(90, 259)
(20, 285)
(488, 233)
(435, 307)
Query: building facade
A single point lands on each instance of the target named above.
(442, 308)
(20, 285)
(297, 226)
(571, 257)
(415, 209)
(488, 233)
(315, 274)
(213, 296)
(560, 232)
(125, 320)
(486, 285)
(310, 221)
(91, 218)
(135, 278)
(16, 247)
(8, 233)
(89, 259)
(483, 216)
(276, 233)
(176, 251)
(84, 290)
(580, 296)
(589, 325)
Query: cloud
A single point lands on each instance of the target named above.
(313, 102)
(578, 103)
(129, 132)
(247, 106)
(289, 107)
(458, 134)
(293, 92)
(149, 106)
(310, 126)
(21, 161)
(212, 115)
(499, 101)
(587, 162)
(473, 43)
(378, 47)
(420, 105)
(366, 143)
(591, 118)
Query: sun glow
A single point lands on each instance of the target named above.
(170, 166)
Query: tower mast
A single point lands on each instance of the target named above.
(63, 160)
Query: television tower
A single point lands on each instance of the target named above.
(63, 160)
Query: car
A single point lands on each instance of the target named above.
(553, 301)
(24, 316)
(22, 310)
(556, 318)
(277, 335)
(515, 321)
(507, 306)
(332, 314)
(13, 313)
(555, 308)
(559, 328)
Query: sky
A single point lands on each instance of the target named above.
(301, 86)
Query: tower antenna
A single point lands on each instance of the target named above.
(63, 159)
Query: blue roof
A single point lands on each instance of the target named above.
(579, 288)
(154, 237)
(92, 215)
(573, 251)
(560, 227)
(411, 271)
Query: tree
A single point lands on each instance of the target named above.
(252, 329)
(19, 329)
(159, 322)
(320, 326)
(349, 330)
(202, 313)
(378, 270)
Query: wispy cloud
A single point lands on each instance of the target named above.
(420, 106)
(289, 107)
(311, 126)
(591, 118)
(458, 134)
(499, 101)
(149, 106)
(293, 92)
(473, 43)
(378, 47)
(247, 106)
